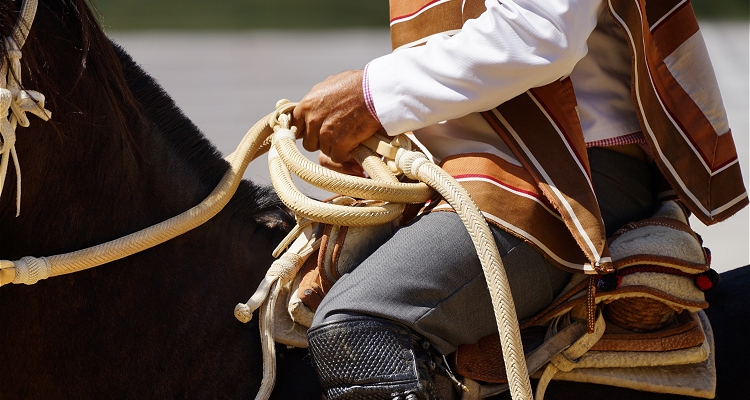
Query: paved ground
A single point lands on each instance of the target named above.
(225, 82)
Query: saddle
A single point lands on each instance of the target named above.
(650, 333)
(653, 335)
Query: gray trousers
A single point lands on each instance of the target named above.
(428, 277)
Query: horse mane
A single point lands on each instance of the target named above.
(186, 139)
(191, 145)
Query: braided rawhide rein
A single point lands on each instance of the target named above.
(414, 166)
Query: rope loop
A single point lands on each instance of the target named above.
(409, 162)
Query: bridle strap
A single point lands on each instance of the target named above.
(14, 101)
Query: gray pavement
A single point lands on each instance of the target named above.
(225, 82)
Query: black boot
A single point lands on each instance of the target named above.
(371, 358)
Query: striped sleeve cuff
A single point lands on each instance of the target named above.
(368, 93)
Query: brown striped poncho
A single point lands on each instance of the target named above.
(549, 201)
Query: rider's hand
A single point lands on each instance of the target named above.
(349, 167)
(334, 117)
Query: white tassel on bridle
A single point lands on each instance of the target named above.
(15, 102)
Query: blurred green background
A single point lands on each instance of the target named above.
(242, 14)
(295, 14)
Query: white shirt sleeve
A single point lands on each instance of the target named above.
(513, 46)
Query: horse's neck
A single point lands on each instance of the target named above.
(108, 164)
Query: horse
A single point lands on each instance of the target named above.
(118, 156)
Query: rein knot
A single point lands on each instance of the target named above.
(243, 313)
(30, 270)
(409, 162)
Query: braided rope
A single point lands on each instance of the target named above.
(416, 166)
(159, 233)
(326, 213)
(383, 186)
(373, 165)
(23, 24)
(268, 345)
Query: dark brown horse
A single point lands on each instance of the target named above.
(119, 156)
(116, 157)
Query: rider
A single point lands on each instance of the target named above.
(561, 129)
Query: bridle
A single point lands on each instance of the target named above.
(14, 101)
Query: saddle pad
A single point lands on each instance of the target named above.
(644, 253)
(685, 332)
(697, 379)
(483, 361)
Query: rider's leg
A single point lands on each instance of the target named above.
(428, 272)
(428, 279)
